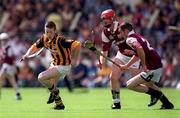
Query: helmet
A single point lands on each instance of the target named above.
(4, 36)
(109, 13)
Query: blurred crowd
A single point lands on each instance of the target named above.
(24, 21)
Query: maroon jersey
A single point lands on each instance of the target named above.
(6, 55)
(153, 60)
(109, 37)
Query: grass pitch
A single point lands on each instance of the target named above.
(81, 104)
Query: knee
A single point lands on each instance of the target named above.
(115, 76)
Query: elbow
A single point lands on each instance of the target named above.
(76, 45)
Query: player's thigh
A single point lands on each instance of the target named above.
(135, 81)
(54, 80)
(134, 71)
(3, 74)
(149, 84)
(116, 72)
(2, 81)
(50, 73)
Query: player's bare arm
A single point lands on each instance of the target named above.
(138, 48)
(134, 44)
(141, 54)
(32, 50)
(76, 46)
(131, 62)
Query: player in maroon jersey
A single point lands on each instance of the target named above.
(7, 70)
(111, 34)
(151, 64)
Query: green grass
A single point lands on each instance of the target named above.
(80, 104)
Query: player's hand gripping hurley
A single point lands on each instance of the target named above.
(32, 55)
(90, 45)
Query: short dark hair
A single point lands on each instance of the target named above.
(50, 24)
(127, 25)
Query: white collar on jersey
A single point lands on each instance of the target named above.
(131, 32)
(115, 26)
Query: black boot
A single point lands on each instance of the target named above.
(59, 107)
(154, 100)
(155, 96)
(59, 104)
(18, 96)
(116, 105)
(115, 96)
(167, 106)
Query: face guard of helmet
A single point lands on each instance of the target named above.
(4, 36)
(107, 17)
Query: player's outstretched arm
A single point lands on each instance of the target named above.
(32, 52)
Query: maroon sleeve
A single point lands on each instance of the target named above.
(40, 42)
(136, 45)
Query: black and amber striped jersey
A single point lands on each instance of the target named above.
(60, 48)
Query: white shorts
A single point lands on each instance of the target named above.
(152, 75)
(8, 69)
(63, 70)
(125, 59)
